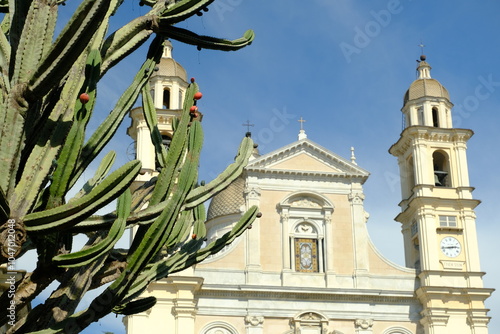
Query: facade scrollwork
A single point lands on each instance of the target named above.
(252, 193)
(305, 202)
(253, 320)
(363, 323)
(357, 198)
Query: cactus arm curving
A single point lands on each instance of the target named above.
(207, 42)
(71, 213)
(85, 256)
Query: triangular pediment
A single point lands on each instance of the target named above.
(305, 156)
(305, 161)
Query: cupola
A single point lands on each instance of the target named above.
(427, 101)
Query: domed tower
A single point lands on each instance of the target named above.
(168, 88)
(437, 211)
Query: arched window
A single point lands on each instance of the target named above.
(441, 166)
(219, 327)
(166, 98)
(397, 330)
(307, 248)
(435, 117)
(310, 322)
(306, 222)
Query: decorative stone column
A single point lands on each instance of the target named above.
(253, 324)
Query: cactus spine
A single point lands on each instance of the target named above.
(44, 152)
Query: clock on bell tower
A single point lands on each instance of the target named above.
(437, 211)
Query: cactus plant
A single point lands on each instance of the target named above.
(48, 95)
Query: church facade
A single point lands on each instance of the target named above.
(307, 265)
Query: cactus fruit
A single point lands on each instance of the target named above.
(49, 86)
(84, 98)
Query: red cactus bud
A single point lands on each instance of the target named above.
(193, 109)
(197, 95)
(193, 236)
(192, 80)
(84, 98)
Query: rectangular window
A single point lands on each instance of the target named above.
(306, 255)
(447, 221)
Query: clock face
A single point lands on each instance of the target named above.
(450, 247)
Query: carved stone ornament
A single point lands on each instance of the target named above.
(253, 320)
(284, 216)
(305, 228)
(310, 316)
(304, 202)
(252, 193)
(357, 198)
(363, 323)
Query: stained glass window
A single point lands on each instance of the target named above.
(306, 255)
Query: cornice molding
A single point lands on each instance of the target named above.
(431, 134)
(369, 296)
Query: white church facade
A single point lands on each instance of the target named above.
(307, 265)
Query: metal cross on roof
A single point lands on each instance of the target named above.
(422, 46)
(301, 120)
(248, 125)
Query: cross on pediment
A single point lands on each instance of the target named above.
(301, 121)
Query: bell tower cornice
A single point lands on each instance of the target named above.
(421, 134)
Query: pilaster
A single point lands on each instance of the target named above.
(253, 267)
(360, 239)
(184, 307)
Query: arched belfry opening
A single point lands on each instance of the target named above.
(435, 117)
(166, 98)
(440, 162)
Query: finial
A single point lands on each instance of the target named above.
(353, 158)
(422, 46)
(248, 125)
(167, 49)
(302, 132)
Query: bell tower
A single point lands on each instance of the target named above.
(168, 88)
(437, 211)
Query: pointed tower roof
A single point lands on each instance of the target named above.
(168, 67)
(425, 85)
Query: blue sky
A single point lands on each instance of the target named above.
(344, 67)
